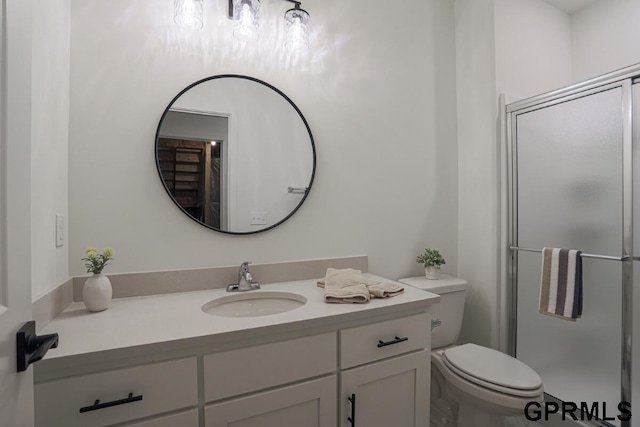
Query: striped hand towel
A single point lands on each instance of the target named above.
(561, 283)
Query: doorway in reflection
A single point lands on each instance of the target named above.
(191, 170)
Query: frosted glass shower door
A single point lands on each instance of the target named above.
(569, 195)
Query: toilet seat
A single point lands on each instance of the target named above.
(493, 370)
(476, 398)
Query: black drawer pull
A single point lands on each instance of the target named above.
(352, 418)
(396, 341)
(97, 405)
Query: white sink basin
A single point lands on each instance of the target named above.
(252, 304)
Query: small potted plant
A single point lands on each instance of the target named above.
(97, 290)
(432, 261)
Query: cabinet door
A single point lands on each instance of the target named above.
(310, 404)
(184, 419)
(394, 392)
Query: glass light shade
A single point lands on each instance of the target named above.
(296, 29)
(188, 14)
(245, 15)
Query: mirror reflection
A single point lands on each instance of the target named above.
(235, 154)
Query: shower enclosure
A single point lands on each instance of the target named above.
(574, 170)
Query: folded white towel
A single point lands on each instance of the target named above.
(340, 278)
(356, 294)
(385, 290)
(350, 286)
(561, 283)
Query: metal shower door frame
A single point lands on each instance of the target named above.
(623, 79)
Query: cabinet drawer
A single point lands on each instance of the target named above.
(163, 386)
(364, 344)
(231, 373)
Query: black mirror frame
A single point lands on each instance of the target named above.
(278, 91)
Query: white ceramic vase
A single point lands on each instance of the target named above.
(431, 272)
(97, 292)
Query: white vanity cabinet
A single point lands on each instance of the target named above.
(298, 368)
(383, 366)
(394, 389)
(247, 372)
(120, 395)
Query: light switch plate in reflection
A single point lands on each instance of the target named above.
(258, 218)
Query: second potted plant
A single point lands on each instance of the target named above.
(432, 261)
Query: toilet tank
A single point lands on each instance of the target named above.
(449, 310)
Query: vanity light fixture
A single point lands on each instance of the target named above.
(296, 22)
(296, 28)
(188, 14)
(245, 15)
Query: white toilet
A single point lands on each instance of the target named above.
(471, 385)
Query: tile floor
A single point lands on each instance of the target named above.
(523, 422)
(518, 422)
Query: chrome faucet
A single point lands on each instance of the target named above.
(245, 280)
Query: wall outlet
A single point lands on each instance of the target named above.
(258, 218)
(59, 230)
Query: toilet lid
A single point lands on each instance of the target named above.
(492, 367)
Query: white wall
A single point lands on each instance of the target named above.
(378, 90)
(533, 47)
(518, 47)
(477, 162)
(50, 136)
(16, 391)
(605, 38)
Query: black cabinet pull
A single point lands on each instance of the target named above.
(352, 418)
(396, 341)
(97, 405)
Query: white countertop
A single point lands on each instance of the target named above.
(144, 322)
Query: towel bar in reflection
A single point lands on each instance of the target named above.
(297, 190)
(613, 258)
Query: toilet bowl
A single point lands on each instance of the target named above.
(486, 385)
(471, 385)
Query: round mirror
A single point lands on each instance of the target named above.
(235, 154)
